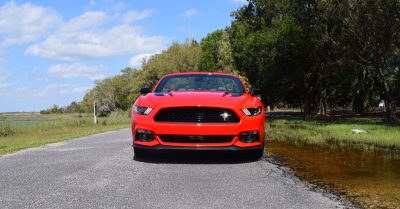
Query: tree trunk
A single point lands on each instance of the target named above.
(358, 104)
(308, 103)
(391, 110)
(307, 109)
(322, 104)
(390, 101)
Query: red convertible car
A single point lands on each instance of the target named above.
(198, 111)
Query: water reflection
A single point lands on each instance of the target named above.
(370, 179)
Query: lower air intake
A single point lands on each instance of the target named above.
(196, 139)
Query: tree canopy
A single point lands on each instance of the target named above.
(317, 54)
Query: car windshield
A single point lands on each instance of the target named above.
(201, 82)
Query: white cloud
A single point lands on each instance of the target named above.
(60, 89)
(2, 61)
(92, 3)
(24, 23)
(191, 13)
(137, 61)
(87, 37)
(20, 89)
(8, 90)
(239, 1)
(78, 70)
(4, 85)
(86, 21)
(133, 16)
(105, 5)
(4, 76)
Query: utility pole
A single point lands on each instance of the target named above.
(94, 113)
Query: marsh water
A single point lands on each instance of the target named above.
(371, 180)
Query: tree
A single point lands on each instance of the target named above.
(276, 45)
(216, 52)
(74, 107)
(317, 54)
(177, 58)
(52, 110)
(373, 26)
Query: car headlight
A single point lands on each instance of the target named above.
(252, 111)
(142, 110)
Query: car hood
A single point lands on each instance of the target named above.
(206, 99)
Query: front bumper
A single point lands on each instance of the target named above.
(229, 148)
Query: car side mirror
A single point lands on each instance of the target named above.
(144, 90)
(255, 92)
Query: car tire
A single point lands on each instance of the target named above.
(140, 153)
(257, 154)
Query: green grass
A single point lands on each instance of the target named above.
(336, 134)
(52, 128)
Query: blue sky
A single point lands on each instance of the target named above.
(51, 52)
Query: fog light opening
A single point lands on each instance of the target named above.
(143, 135)
(249, 137)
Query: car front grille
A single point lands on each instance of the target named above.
(197, 115)
(196, 138)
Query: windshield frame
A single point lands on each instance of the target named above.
(236, 80)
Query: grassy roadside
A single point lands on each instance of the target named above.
(336, 134)
(52, 128)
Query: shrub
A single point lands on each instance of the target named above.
(7, 130)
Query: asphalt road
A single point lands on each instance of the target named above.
(99, 171)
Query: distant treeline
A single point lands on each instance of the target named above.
(308, 54)
(74, 107)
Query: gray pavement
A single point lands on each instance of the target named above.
(99, 171)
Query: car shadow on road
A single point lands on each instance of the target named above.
(198, 157)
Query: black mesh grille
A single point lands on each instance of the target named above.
(196, 139)
(197, 115)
